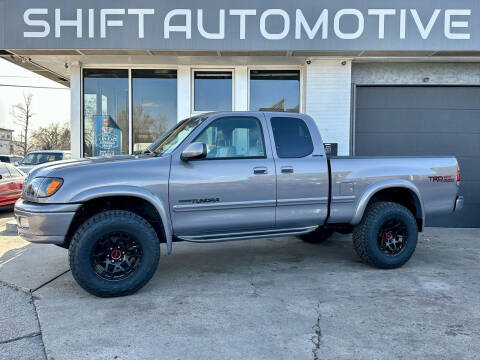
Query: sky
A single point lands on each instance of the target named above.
(51, 101)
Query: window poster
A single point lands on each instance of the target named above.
(107, 136)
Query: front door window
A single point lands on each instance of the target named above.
(232, 138)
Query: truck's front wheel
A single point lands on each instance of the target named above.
(387, 235)
(114, 253)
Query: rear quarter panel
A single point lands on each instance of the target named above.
(355, 179)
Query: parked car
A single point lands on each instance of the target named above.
(35, 158)
(11, 159)
(229, 176)
(11, 182)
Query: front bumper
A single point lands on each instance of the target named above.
(44, 223)
(458, 203)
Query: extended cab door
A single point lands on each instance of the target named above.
(233, 188)
(302, 171)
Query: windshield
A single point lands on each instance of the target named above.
(40, 158)
(169, 142)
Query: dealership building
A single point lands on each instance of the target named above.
(379, 77)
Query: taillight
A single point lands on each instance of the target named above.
(459, 176)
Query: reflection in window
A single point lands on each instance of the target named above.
(275, 90)
(105, 112)
(213, 91)
(233, 137)
(154, 105)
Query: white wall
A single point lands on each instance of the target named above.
(328, 100)
(76, 111)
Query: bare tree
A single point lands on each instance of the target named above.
(51, 137)
(22, 112)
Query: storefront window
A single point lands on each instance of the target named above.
(105, 112)
(213, 91)
(275, 90)
(154, 104)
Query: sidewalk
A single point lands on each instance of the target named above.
(259, 299)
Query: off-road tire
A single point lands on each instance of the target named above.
(85, 239)
(365, 235)
(318, 236)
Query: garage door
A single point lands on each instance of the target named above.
(425, 120)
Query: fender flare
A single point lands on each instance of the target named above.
(133, 191)
(382, 185)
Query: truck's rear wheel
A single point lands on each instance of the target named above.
(114, 253)
(318, 236)
(387, 235)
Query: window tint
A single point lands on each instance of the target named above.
(4, 171)
(233, 137)
(292, 138)
(154, 105)
(212, 90)
(105, 112)
(275, 90)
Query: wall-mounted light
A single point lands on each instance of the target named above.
(344, 63)
(426, 79)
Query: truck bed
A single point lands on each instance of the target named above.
(354, 178)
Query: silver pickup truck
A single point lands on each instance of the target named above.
(229, 176)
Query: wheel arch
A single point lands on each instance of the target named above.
(125, 197)
(402, 192)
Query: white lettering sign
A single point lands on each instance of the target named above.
(271, 24)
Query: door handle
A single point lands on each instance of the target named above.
(260, 170)
(287, 169)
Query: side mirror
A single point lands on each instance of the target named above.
(195, 150)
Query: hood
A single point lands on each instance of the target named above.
(97, 174)
(47, 168)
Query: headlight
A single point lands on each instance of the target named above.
(41, 187)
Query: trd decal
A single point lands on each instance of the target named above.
(446, 179)
(200, 201)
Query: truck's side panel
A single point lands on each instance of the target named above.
(356, 180)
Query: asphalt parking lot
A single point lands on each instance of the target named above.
(259, 299)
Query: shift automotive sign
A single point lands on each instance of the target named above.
(343, 24)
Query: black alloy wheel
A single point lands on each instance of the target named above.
(387, 235)
(114, 253)
(116, 256)
(392, 237)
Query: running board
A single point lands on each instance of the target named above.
(249, 235)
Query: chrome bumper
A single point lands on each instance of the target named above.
(44, 223)
(458, 203)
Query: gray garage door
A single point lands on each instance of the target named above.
(425, 120)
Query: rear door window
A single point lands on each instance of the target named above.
(292, 137)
